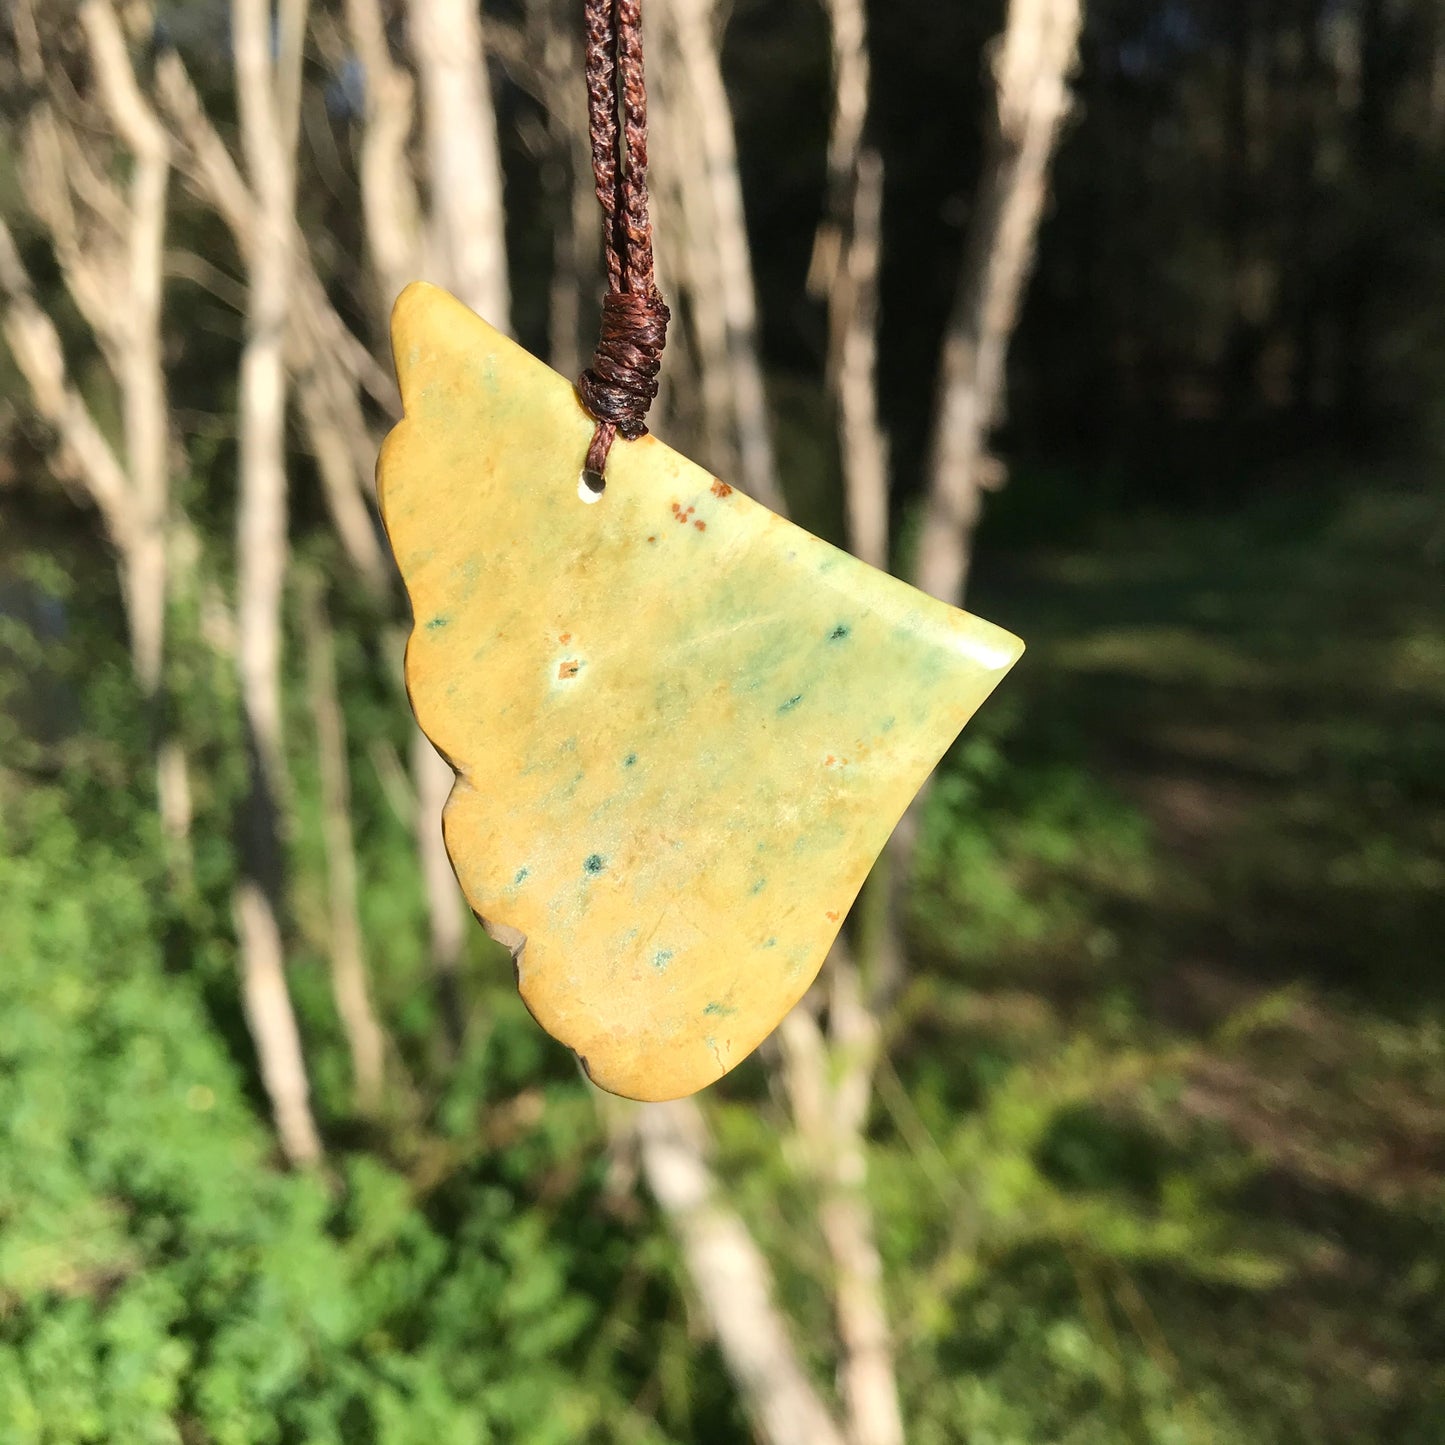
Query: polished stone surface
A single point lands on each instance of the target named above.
(682, 727)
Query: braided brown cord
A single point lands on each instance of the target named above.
(621, 384)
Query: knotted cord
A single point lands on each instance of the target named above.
(620, 385)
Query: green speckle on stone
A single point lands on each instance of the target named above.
(841, 631)
(661, 959)
(595, 863)
(521, 875)
(791, 703)
(758, 886)
(630, 760)
(439, 621)
(717, 1010)
(771, 943)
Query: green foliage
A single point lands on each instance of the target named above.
(161, 1280)
(1152, 1153)
(1133, 1155)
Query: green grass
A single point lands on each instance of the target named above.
(1159, 1137)
(1179, 1040)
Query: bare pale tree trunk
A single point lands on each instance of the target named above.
(406, 243)
(328, 363)
(466, 248)
(732, 1280)
(554, 37)
(138, 334)
(432, 780)
(846, 259)
(349, 984)
(829, 1082)
(697, 166)
(1032, 61)
(463, 166)
(829, 1079)
(854, 316)
(145, 407)
(111, 247)
(395, 231)
(853, 324)
(268, 96)
(85, 458)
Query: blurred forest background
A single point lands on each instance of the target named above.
(1119, 1116)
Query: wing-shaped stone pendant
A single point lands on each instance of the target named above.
(682, 727)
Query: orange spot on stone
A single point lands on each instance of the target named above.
(831, 916)
(677, 506)
(565, 638)
(720, 488)
(701, 526)
(652, 539)
(569, 669)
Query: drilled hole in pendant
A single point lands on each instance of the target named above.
(590, 486)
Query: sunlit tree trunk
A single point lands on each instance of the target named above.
(466, 252)
(349, 985)
(696, 164)
(268, 94)
(1032, 61)
(111, 249)
(732, 1280)
(829, 1077)
(464, 170)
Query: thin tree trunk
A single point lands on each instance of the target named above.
(850, 248)
(732, 1280)
(268, 136)
(261, 529)
(272, 1023)
(830, 1079)
(389, 201)
(698, 161)
(1031, 66)
(463, 164)
(85, 457)
(137, 332)
(1032, 61)
(687, 269)
(145, 404)
(326, 360)
(349, 984)
(467, 231)
(432, 778)
(555, 35)
(113, 266)
(829, 1085)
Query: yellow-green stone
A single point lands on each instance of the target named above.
(682, 727)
